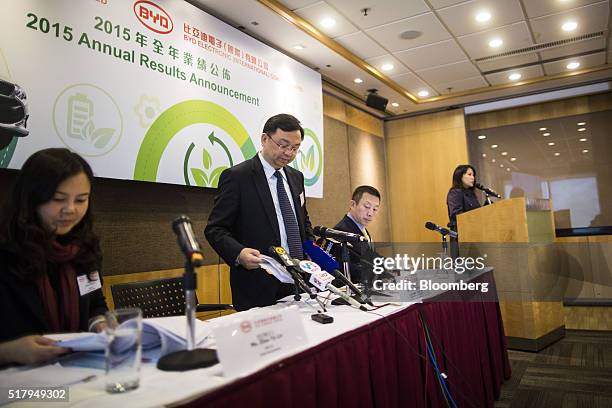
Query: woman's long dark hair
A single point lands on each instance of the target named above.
(458, 175)
(21, 232)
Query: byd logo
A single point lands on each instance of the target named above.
(153, 17)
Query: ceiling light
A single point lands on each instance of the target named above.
(546, 134)
(494, 146)
(569, 26)
(395, 104)
(482, 137)
(501, 165)
(581, 123)
(358, 80)
(387, 67)
(581, 129)
(584, 139)
(551, 143)
(504, 153)
(328, 22)
(483, 16)
(542, 129)
(484, 155)
(496, 42)
(492, 160)
(557, 154)
(572, 65)
(514, 77)
(298, 47)
(507, 168)
(513, 159)
(423, 93)
(585, 151)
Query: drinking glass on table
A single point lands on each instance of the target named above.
(123, 349)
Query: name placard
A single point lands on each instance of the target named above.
(250, 340)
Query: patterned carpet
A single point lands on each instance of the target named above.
(574, 372)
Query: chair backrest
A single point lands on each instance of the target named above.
(156, 298)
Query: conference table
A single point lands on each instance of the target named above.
(363, 359)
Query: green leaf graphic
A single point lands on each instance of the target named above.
(214, 176)
(102, 136)
(302, 165)
(199, 176)
(310, 158)
(206, 159)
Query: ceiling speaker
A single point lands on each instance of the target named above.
(377, 102)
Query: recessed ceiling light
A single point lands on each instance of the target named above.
(496, 42)
(581, 129)
(513, 159)
(501, 165)
(584, 139)
(514, 77)
(387, 67)
(507, 168)
(542, 129)
(423, 93)
(483, 16)
(494, 146)
(504, 153)
(585, 151)
(581, 123)
(551, 143)
(569, 26)
(492, 160)
(557, 154)
(358, 80)
(484, 155)
(572, 65)
(395, 104)
(328, 22)
(482, 137)
(546, 134)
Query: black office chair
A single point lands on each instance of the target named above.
(158, 298)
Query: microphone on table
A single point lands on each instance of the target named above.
(343, 236)
(291, 265)
(187, 240)
(329, 264)
(434, 227)
(486, 190)
(323, 281)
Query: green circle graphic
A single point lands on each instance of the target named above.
(178, 117)
(313, 180)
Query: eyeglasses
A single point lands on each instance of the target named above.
(285, 147)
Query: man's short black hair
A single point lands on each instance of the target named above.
(283, 121)
(358, 193)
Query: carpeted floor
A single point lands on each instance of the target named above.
(574, 372)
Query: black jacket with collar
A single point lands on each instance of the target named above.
(361, 255)
(243, 215)
(21, 309)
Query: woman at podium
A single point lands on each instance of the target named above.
(461, 198)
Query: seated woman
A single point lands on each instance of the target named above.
(50, 258)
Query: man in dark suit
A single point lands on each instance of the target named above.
(364, 206)
(261, 203)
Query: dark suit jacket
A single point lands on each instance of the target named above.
(361, 254)
(460, 200)
(21, 309)
(244, 216)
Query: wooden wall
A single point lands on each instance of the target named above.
(422, 153)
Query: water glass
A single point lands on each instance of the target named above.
(123, 349)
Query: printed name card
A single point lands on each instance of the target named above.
(250, 340)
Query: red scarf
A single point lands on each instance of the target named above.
(62, 315)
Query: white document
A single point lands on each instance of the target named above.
(274, 268)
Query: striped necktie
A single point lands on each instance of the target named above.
(294, 241)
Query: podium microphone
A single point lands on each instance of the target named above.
(187, 240)
(325, 232)
(292, 266)
(434, 227)
(486, 190)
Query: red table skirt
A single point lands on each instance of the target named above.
(384, 364)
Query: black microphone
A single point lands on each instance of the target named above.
(187, 240)
(292, 266)
(486, 190)
(434, 227)
(325, 232)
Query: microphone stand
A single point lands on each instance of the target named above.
(191, 358)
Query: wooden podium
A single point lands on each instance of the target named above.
(517, 235)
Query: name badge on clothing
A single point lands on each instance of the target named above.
(302, 199)
(89, 283)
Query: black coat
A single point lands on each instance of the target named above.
(243, 216)
(21, 309)
(460, 200)
(361, 256)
